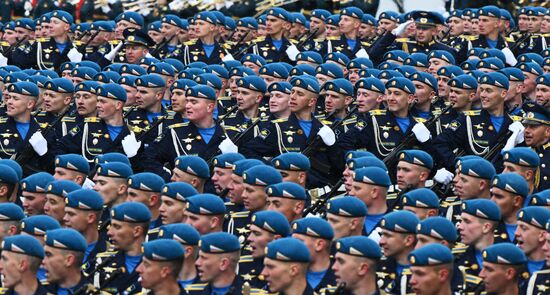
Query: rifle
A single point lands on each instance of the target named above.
(493, 153)
(161, 44)
(12, 47)
(307, 39)
(520, 40)
(241, 39)
(229, 111)
(319, 205)
(83, 46)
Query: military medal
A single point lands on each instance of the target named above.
(290, 139)
(95, 141)
(386, 134)
(6, 141)
(188, 147)
(480, 133)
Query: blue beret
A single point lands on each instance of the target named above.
(401, 83)
(494, 53)
(227, 160)
(338, 58)
(240, 166)
(492, 63)
(544, 79)
(241, 71)
(406, 70)
(253, 83)
(179, 191)
(479, 168)
(148, 61)
(25, 88)
(161, 68)
(205, 204)
(61, 85)
(511, 182)
(66, 239)
(13, 165)
(314, 227)
(193, 165)
(67, 66)
(372, 84)
(38, 80)
(262, 175)
(330, 69)
(201, 91)
(253, 58)
(105, 26)
(347, 206)
(163, 250)
(274, 70)
(150, 81)
(463, 82)
(469, 64)
(359, 246)
(113, 68)
(23, 244)
(341, 86)
(288, 250)
(425, 78)
(369, 73)
(395, 55)
(352, 11)
(288, 190)
(417, 60)
(10, 211)
(133, 212)
(535, 114)
(171, 19)
(146, 181)
(530, 67)
(284, 87)
(84, 199)
(455, 13)
(438, 227)
(206, 16)
(36, 183)
(443, 55)
(38, 225)
(302, 69)
(358, 154)
(450, 71)
(389, 15)
(16, 77)
(504, 253)
(25, 23)
(305, 82)
(87, 86)
(113, 91)
(531, 57)
(522, 156)
(369, 20)
(431, 254)
(89, 64)
(400, 221)
(535, 216)
(291, 161)
(62, 187)
(321, 14)
(63, 16)
(183, 233)
(482, 208)
(248, 22)
(271, 221)
(421, 198)
(298, 18)
(536, 11)
(495, 79)
(176, 64)
(220, 17)
(132, 17)
(489, 10)
(279, 13)
(359, 63)
(85, 73)
(417, 157)
(114, 169)
(217, 70)
(541, 198)
(73, 162)
(182, 84)
(366, 162)
(372, 175)
(218, 243)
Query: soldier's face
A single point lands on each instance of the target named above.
(468, 187)
(317, 24)
(203, 28)
(106, 107)
(171, 210)
(534, 24)
(110, 188)
(121, 234)
(10, 267)
(86, 103)
(397, 100)
(457, 26)
(247, 99)
(278, 275)
(335, 101)
(367, 100)
(387, 25)
(427, 280)
(342, 226)
(545, 25)
(258, 240)
(546, 249)
(525, 172)
(10, 36)
(278, 103)
(488, 24)
(152, 273)
(536, 135)
(236, 188)
(349, 269)
(134, 53)
(58, 27)
(275, 25)
(507, 202)
(460, 98)
(198, 108)
(421, 213)
(22, 33)
(33, 203)
(123, 25)
(392, 243)
(288, 207)
(254, 67)
(54, 101)
(362, 191)
(471, 229)
(147, 97)
(135, 195)
(424, 93)
(168, 30)
(542, 94)
(333, 31)
(55, 207)
(442, 86)
(523, 22)
(204, 224)
(209, 266)
(301, 100)
(77, 219)
(221, 178)
(353, 75)
(55, 263)
(348, 24)
(61, 173)
(254, 197)
(496, 276)
(156, 36)
(409, 175)
(425, 34)
(435, 64)
(18, 104)
(530, 238)
(492, 97)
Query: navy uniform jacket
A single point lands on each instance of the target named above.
(501, 234)
(205, 288)
(539, 283)
(43, 54)
(451, 208)
(193, 51)
(114, 261)
(179, 140)
(43, 289)
(531, 44)
(264, 47)
(479, 41)
(388, 279)
(341, 45)
(544, 155)
(328, 281)
(478, 141)
(101, 246)
(238, 225)
(465, 259)
(286, 135)
(139, 124)
(250, 269)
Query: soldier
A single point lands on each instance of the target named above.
(216, 265)
(71, 167)
(532, 82)
(346, 216)
(503, 267)
(171, 27)
(221, 174)
(191, 169)
(537, 136)
(128, 229)
(479, 219)
(205, 212)
(413, 169)
(135, 46)
(189, 238)
(34, 192)
(462, 92)
(397, 240)
(509, 191)
(317, 235)
(349, 43)
(9, 183)
(538, 283)
(423, 202)
(56, 192)
(159, 270)
(37, 226)
(236, 188)
(436, 230)
(174, 198)
(21, 258)
(287, 198)
(64, 251)
(530, 235)
(339, 96)
(523, 161)
(146, 188)
(286, 266)
(10, 219)
(265, 227)
(370, 92)
(85, 100)
(429, 262)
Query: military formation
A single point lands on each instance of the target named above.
(324, 152)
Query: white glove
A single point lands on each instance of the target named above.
(227, 146)
(131, 145)
(443, 176)
(510, 58)
(421, 132)
(516, 127)
(176, 5)
(327, 135)
(362, 53)
(105, 8)
(514, 139)
(292, 52)
(401, 28)
(88, 184)
(39, 143)
(74, 55)
(111, 55)
(3, 60)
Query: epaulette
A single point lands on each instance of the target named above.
(420, 119)
(459, 249)
(114, 42)
(264, 119)
(406, 271)
(229, 204)
(472, 113)
(41, 114)
(177, 125)
(170, 113)
(508, 39)
(446, 204)
(68, 119)
(391, 196)
(246, 258)
(226, 46)
(280, 120)
(259, 39)
(44, 39)
(325, 122)
(77, 43)
(516, 118)
(472, 38)
(319, 40)
(241, 214)
(544, 271)
(351, 120)
(4, 43)
(44, 282)
(364, 43)
(546, 146)
(293, 41)
(106, 254)
(256, 291)
(225, 98)
(402, 40)
(377, 112)
(3, 119)
(92, 120)
(451, 199)
(153, 230)
(332, 38)
(473, 279)
(231, 128)
(195, 287)
(4, 290)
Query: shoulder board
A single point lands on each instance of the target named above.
(4, 290)
(546, 146)
(259, 39)
(106, 254)
(364, 43)
(92, 120)
(226, 46)
(42, 40)
(391, 196)
(232, 128)
(293, 41)
(170, 113)
(280, 120)
(473, 279)
(241, 214)
(459, 249)
(195, 287)
(402, 40)
(351, 120)
(229, 203)
(472, 113)
(3, 120)
(41, 114)
(318, 39)
(451, 199)
(420, 119)
(377, 112)
(508, 39)
(4, 43)
(114, 42)
(332, 38)
(246, 258)
(325, 122)
(544, 271)
(406, 271)
(153, 230)
(516, 118)
(77, 43)
(68, 119)
(472, 38)
(177, 125)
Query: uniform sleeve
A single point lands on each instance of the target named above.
(377, 50)
(156, 154)
(263, 145)
(455, 136)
